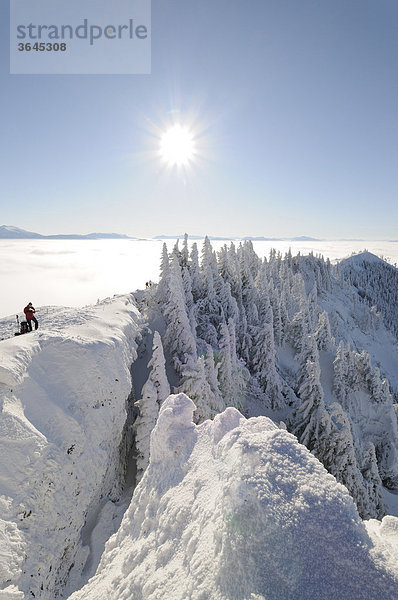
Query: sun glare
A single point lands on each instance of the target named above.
(177, 146)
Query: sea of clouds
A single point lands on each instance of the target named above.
(79, 272)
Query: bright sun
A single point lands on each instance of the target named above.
(177, 146)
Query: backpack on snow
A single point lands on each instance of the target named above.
(24, 328)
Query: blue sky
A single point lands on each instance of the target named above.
(295, 107)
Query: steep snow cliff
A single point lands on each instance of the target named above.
(63, 392)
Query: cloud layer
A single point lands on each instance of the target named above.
(76, 273)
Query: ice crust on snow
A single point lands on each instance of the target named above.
(63, 393)
(236, 509)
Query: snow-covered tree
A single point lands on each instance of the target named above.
(323, 334)
(158, 372)
(225, 366)
(263, 358)
(178, 337)
(218, 404)
(223, 320)
(195, 385)
(164, 282)
(335, 449)
(313, 307)
(201, 385)
(340, 366)
(299, 328)
(154, 392)
(185, 252)
(233, 377)
(373, 484)
(308, 415)
(194, 270)
(146, 420)
(209, 312)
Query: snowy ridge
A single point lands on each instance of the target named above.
(63, 393)
(361, 258)
(236, 509)
(376, 283)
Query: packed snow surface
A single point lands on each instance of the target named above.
(236, 509)
(63, 392)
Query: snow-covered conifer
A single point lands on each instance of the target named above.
(335, 449)
(309, 413)
(298, 296)
(225, 368)
(353, 374)
(195, 385)
(276, 314)
(177, 252)
(209, 312)
(228, 303)
(249, 291)
(154, 393)
(232, 376)
(218, 404)
(163, 286)
(232, 274)
(185, 252)
(340, 367)
(373, 484)
(313, 307)
(158, 372)
(323, 334)
(386, 394)
(178, 336)
(194, 271)
(364, 367)
(263, 358)
(146, 420)
(299, 328)
(376, 389)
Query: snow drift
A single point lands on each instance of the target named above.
(236, 509)
(63, 392)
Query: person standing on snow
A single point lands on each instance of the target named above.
(30, 316)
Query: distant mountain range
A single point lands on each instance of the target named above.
(302, 238)
(13, 233)
(194, 237)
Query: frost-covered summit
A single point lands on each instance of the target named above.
(376, 282)
(361, 258)
(236, 509)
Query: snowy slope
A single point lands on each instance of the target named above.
(237, 509)
(63, 392)
(376, 282)
(11, 232)
(354, 322)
